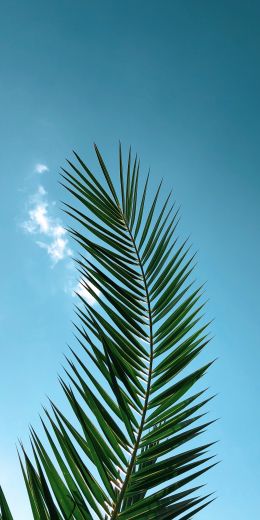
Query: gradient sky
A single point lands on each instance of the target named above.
(180, 81)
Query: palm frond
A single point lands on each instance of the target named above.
(125, 456)
(5, 513)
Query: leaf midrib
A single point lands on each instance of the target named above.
(148, 388)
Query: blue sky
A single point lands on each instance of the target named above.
(179, 81)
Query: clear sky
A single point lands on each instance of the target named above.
(180, 81)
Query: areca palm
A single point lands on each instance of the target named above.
(126, 455)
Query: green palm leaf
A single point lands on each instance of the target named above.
(125, 455)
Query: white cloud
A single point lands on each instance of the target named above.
(41, 191)
(82, 290)
(74, 287)
(43, 225)
(41, 168)
(51, 236)
(38, 221)
(57, 249)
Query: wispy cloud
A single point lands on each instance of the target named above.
(74, 286)
(48, 230)
(41, 168)
(82, 290)
(50, 235)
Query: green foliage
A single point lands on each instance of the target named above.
(124, 456)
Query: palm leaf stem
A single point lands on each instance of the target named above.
(122, 492)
